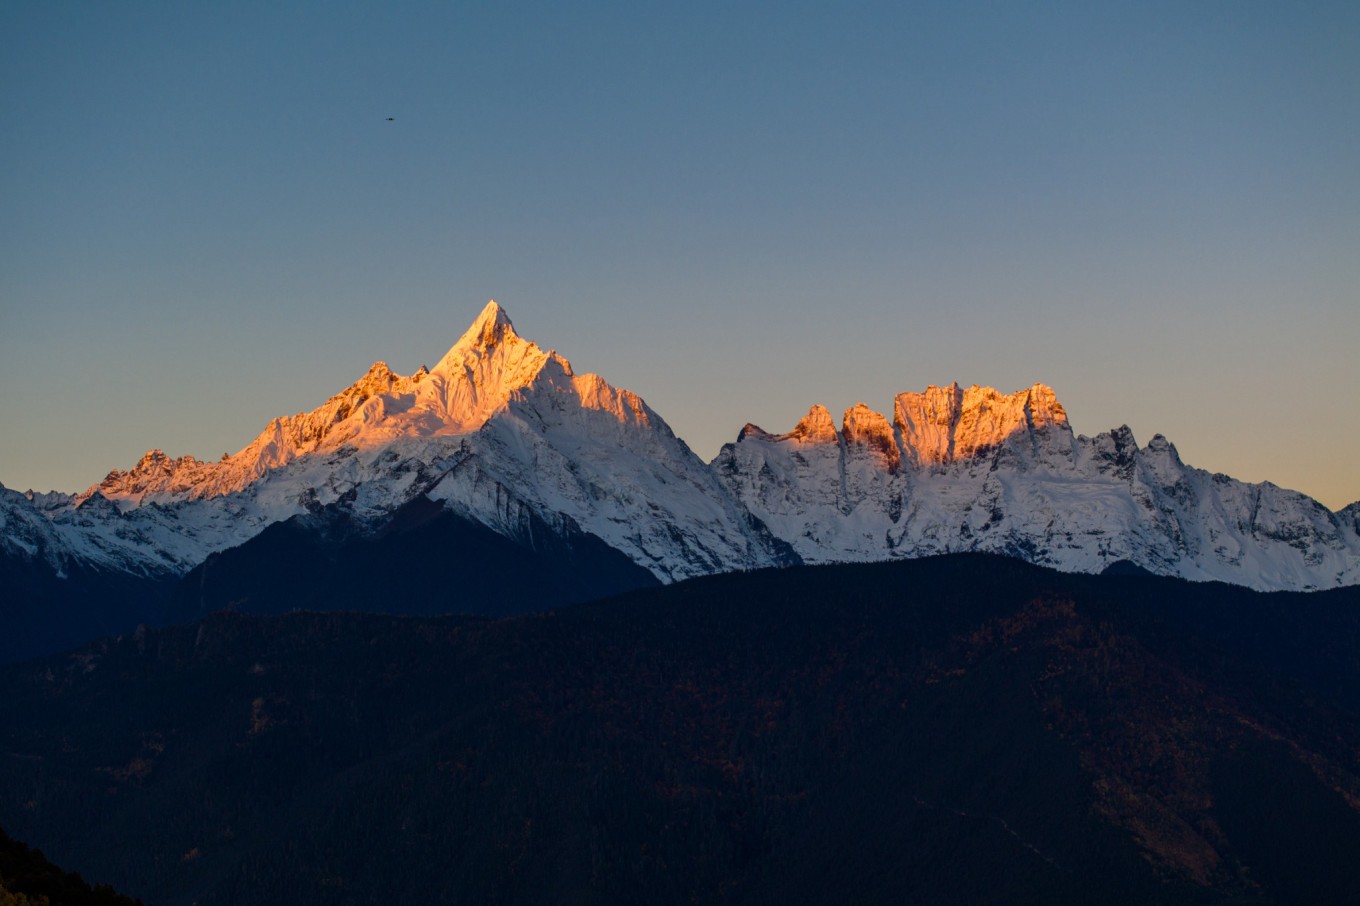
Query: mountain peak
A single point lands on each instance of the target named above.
(815, 427)
(492, 335)
(491, 327)
(863, 426)
(487, 363)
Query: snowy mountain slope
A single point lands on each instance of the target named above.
(61, 533)
(500, 430)
(24, 531)
(1349, 516)
(584, 455)
(506, 435)
(978, 470)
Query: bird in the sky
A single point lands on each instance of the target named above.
(391, 119)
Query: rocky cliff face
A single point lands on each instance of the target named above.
(964, 470)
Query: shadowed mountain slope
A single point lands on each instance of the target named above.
(28, 879)
(423, 561)
(963, 729)
(509, 440)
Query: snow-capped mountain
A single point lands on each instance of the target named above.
(500, 431)
(976, 470)
(504, 435)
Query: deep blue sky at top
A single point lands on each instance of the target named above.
(736, 210)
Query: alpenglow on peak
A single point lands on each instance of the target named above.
(476, 378)
(491, 327)
(505, 433)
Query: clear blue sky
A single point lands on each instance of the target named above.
(207, 219)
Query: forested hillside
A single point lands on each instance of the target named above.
(965, 729)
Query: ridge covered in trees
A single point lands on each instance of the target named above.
(962, 729)
(28, 879)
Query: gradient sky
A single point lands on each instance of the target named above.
(208, 221)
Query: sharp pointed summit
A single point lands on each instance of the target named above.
(491, 331)
(482, 370)
(504, 434)
(490, 328)
(500, 431)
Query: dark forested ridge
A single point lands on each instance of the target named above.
(28, 879)
(963, 729)
(41, 612)
(423, 560)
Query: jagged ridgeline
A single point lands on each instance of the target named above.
(975, 469)
(559, 478)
